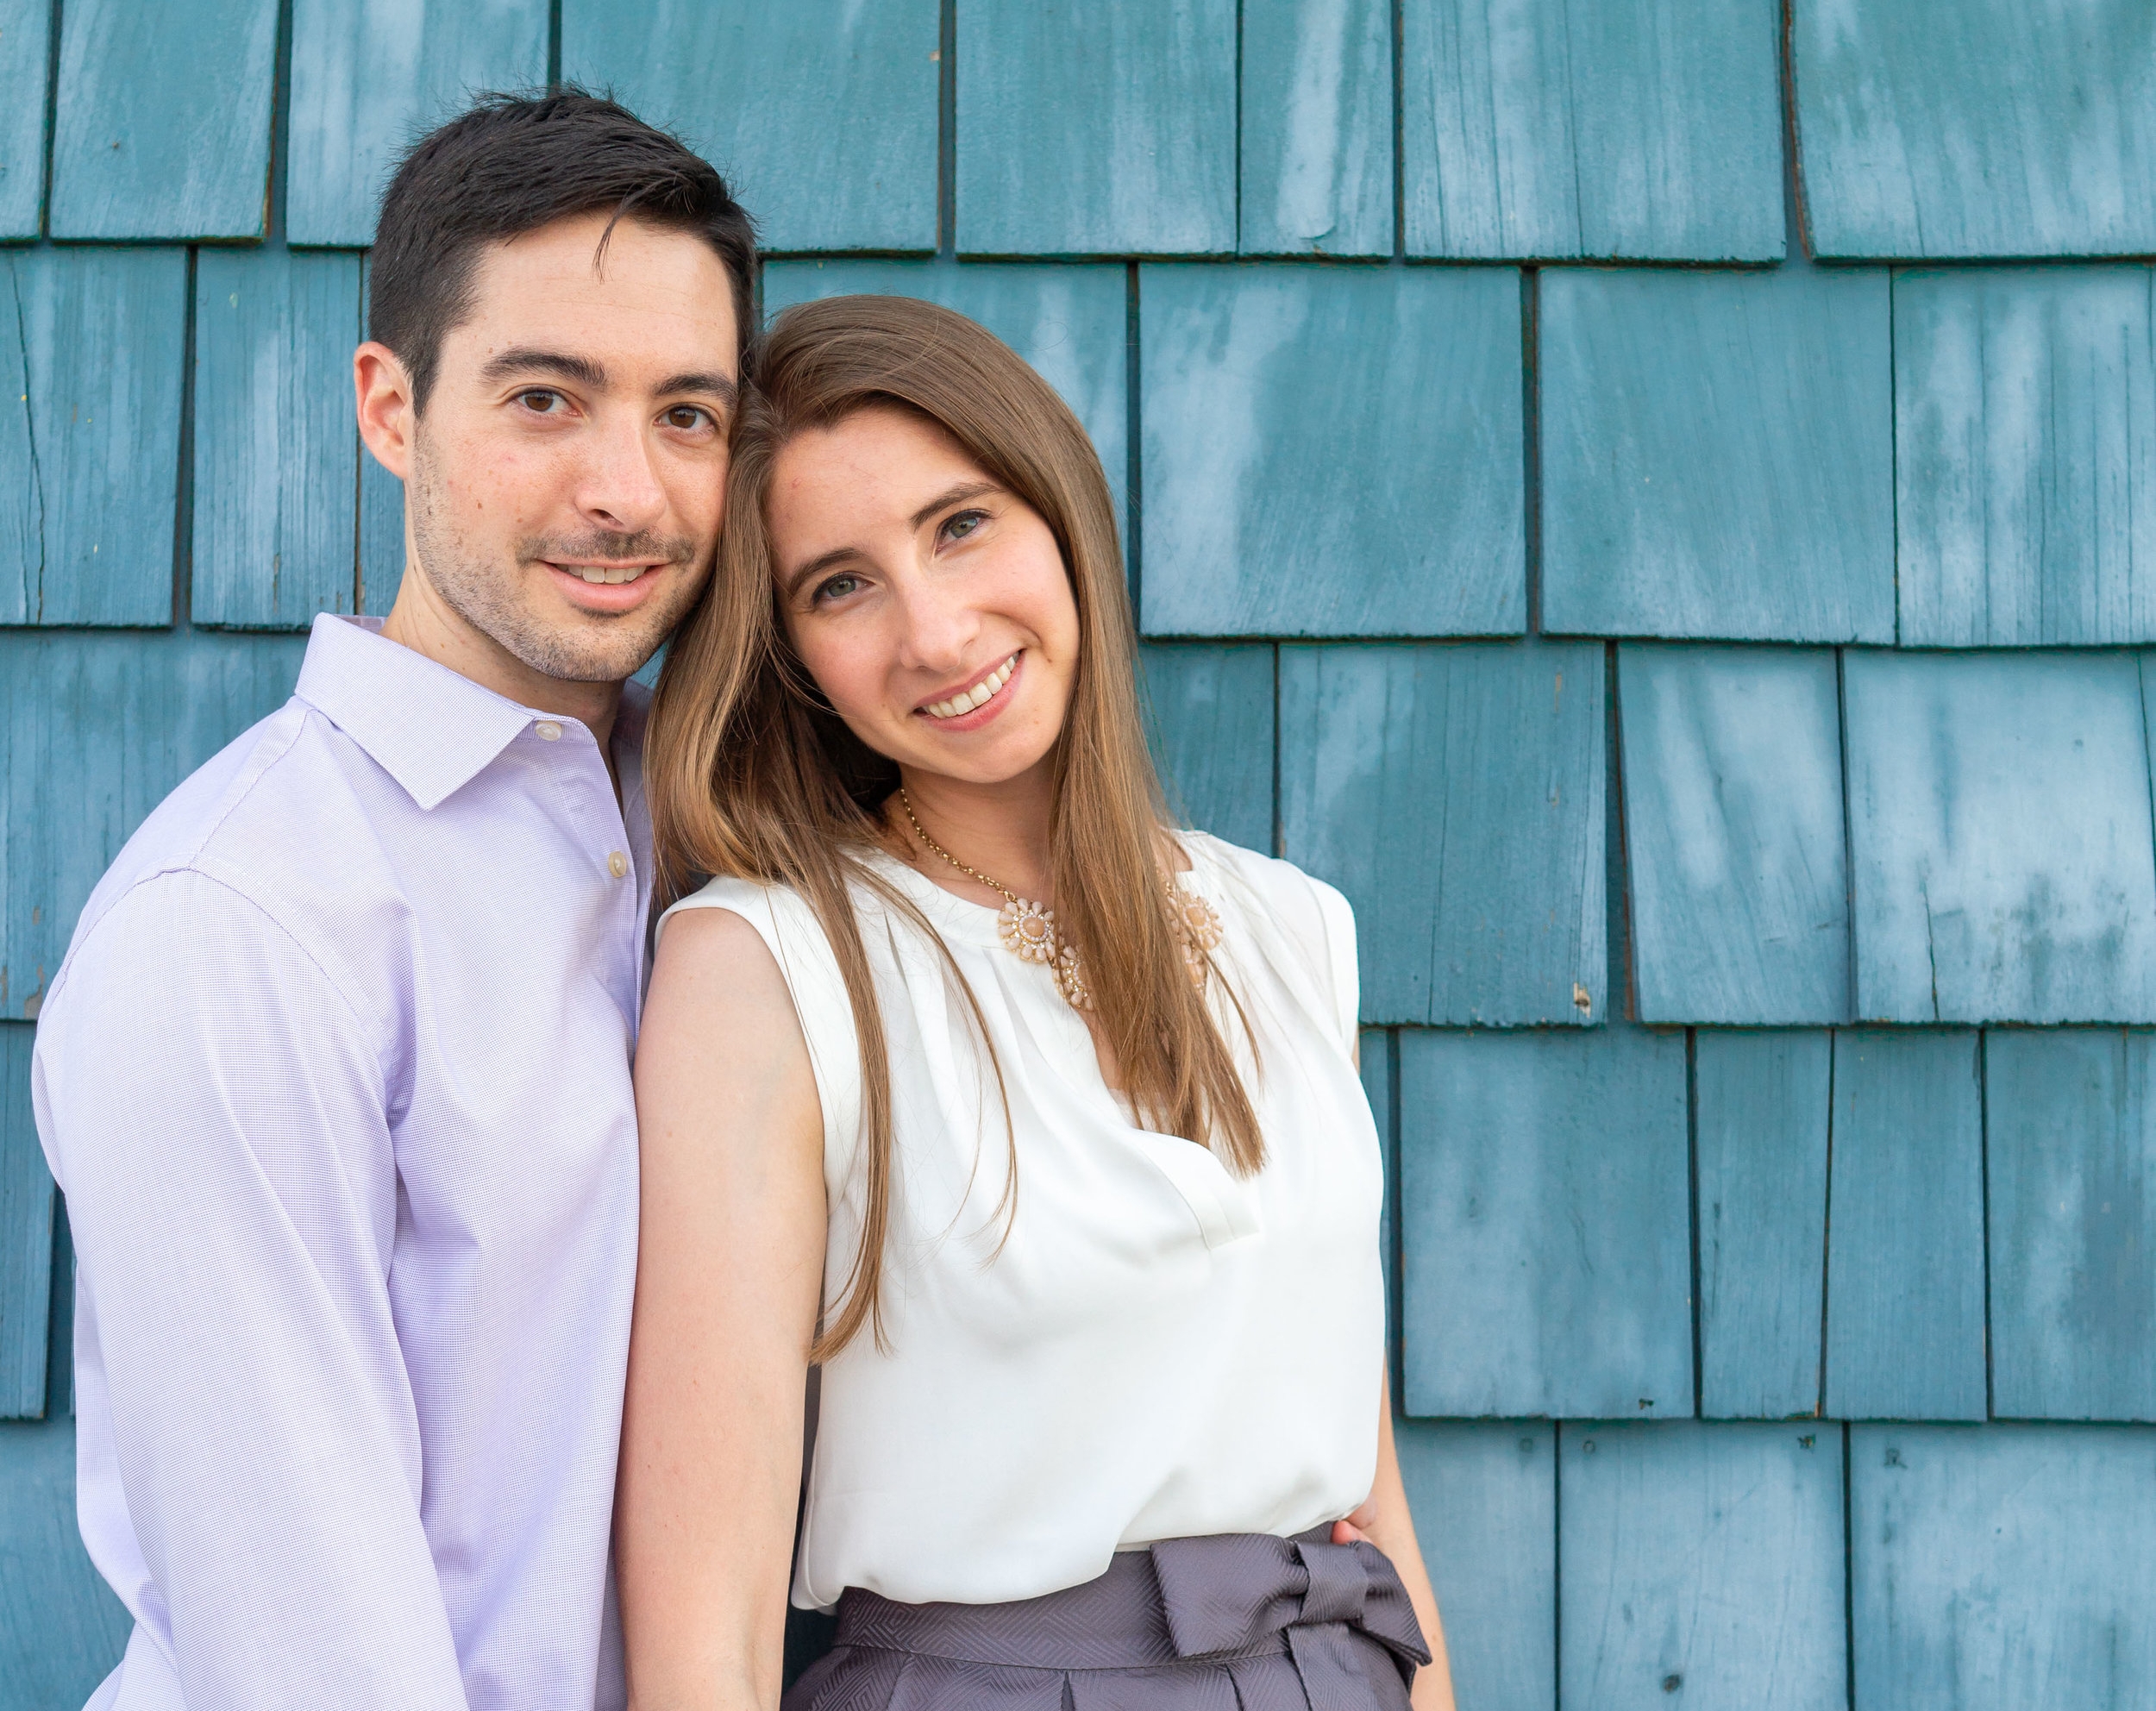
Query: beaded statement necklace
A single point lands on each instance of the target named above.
(1030, 933)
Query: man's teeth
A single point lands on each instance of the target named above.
(594, 573)
(967, 699)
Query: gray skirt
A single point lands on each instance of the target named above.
(1240, 1622)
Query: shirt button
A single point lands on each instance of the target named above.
(549, 730)
(617, 865)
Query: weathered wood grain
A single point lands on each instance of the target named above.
(97, 337)
(1969, 129)
(1070, 321)
(1545, 1222)
(2024, 430)
(369, 76)
(1621, 130)
(1701, 1564)
(2071, 1130)
(276, 450)
(821, 113)
(61, 1629)
(1764, 1101)
(95, 729)
(1210, 716)
(1085, 129)
(1717, 455)
(162, 130)
(1455, 794)
(26, 1236)
(1483, 1494)
(26, 35)
(1386, 499)
(1999, 837)
(1317, 139)
(1998, 1567)
(1905, 1307)
(1733, 834)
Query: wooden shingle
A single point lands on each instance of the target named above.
(1316, 158)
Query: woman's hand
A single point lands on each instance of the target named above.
(1383, 1520)
(729, 1271)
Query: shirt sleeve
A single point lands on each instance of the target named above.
(213, 1107)
(1338, 916)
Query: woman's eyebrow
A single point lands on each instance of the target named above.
(822, 561)
(963, 491)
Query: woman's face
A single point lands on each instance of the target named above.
(929, 604)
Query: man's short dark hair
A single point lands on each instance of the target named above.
(511, 163)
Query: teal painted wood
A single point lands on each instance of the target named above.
(61, 1629)
(276, 450)
(369, 77)
(821, 113)
(1966, 129)
(1317, 137)
(25, 1235)
(87, 538)
(1905, 1308)
(2025, 427)
(1998, 1568)
(1085, 129)
(1733, 834)
(1455, 794)
(1211, 715)
(2071, 1132)
(1999, 837)
(1717, 455)
(1545, 1222)
(1387, 500)
(97, 730)
(26, 35)
(1701, 1564)
(162, 126)
(1071, 322)
(1483, 1494)
(1618, 129)
(1763, 1102)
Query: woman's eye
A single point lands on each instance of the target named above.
(966, 522)
(835, 589)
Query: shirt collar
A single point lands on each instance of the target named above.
(431, 728)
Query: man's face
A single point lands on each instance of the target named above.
(567, 476)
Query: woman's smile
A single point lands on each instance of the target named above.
(973, 706)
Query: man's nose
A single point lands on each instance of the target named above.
(621, 490)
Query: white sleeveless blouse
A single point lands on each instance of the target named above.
(1156, 1349)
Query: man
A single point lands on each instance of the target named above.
(336, 1074)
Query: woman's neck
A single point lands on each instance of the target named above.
(1002, 830)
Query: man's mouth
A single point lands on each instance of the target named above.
(607, 573)
(976, 695)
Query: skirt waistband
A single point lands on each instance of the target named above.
(1232, 1594)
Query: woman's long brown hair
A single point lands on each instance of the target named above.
(751, 776)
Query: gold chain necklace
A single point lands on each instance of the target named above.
(1030, 933)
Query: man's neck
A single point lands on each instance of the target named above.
(424, 622)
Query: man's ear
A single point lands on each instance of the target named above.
(387, 419)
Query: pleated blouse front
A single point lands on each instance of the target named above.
(1130, 1342)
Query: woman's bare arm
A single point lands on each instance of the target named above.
(729, 1271)
(1384, 1521)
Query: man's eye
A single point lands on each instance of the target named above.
(686, 418)
(539, 401)
(966, 522)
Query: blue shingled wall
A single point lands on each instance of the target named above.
(1585, 499)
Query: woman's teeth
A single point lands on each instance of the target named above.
(598, 572)
(967, 699)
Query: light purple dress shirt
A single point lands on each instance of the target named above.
(335, 1079)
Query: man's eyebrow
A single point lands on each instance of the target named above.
(963, 491)
(581, 369)
(721, 386)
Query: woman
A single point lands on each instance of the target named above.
(1034, 1123)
